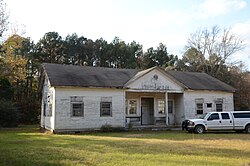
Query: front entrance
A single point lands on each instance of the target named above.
(147, 111)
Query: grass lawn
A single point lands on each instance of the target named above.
(27, 146)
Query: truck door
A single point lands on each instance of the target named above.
(226, 121)
(213, 121)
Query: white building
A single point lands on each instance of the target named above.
(76, 98)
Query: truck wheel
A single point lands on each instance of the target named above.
(199, 129)
(248, 129)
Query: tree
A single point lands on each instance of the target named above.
(101, 53)
(3, 18)
(13, 64)
(159, 57)
(50, 48)
(208, 50)
(74, 49)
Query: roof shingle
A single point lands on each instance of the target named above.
(85, 76)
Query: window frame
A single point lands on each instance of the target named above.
(213, 115)
(216, 107)
(76, 100)
(101, 108)
(164, 109)
(209, 105)
(50, 108)
(197, 109)
(44, 109)
(223, 116)
(199, 101)
(129, 106)
(172, 101)
(72, 109)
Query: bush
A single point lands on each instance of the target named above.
(106, 128)
(8, 114)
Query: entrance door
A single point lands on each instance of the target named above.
(147, 111)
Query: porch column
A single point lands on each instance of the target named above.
(166, 107)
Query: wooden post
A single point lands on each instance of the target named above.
(166, 107)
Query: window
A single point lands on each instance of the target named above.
(225, 116)
(106, 108)
(132, 107)
(199, 105)
(241, 115)
(170, 106)
(209, 105)
(219, 107)
(49, 109)
(214, 116)
(199, 108)
(161, 106)
(219, 104)
(44, 109)
(77, 106)
(77, 109)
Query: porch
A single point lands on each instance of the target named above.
(148, 109)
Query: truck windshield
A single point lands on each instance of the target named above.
(204, 116)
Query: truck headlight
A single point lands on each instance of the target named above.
(191, 123)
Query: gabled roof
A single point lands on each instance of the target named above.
(85, 76)
(200, 81)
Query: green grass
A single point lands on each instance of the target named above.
(27, 146)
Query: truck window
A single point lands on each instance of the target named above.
(225, 116)
(213, 116)
(241, 115)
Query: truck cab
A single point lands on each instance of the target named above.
(237, 121)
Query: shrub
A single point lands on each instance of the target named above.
(8, 114)
(106, 128)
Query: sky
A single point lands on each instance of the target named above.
(148, 22)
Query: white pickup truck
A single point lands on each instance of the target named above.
(237, 120)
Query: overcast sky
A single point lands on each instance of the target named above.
(148, 22)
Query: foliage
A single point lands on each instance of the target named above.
(106, 128)
(26, 146)
(240, 79)
(20, 68)
(8, 114)
(209, 50)
(13, 63)
(50, 48)
(159, 57)
(6, 90)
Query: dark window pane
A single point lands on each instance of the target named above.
(225, 116)
(105, 108)
(241, 115)
(214, 116)
(219, 107)
(170, 106)
(209, 105)
(77, 109)
(199, 108)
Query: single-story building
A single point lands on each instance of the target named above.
(76, 98)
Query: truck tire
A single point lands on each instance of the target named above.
(199, 129)
(248, 129)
